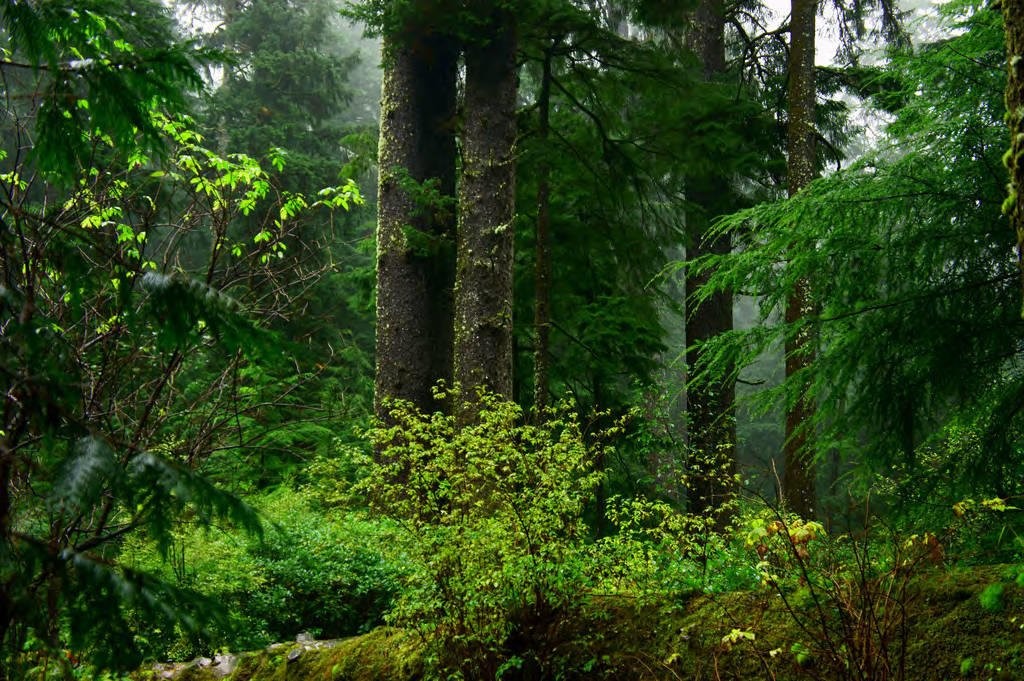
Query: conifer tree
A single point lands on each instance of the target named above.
(1013, 18)
(104, 316)
(916, 318)
(711, 417)
(416, 219)
(486, 234)
(798, 482)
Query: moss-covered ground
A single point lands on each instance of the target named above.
(961, 624)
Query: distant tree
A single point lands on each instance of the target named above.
(916, 374)
(710, 408)
(286, 83)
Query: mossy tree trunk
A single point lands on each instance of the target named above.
(1013, 18)
(798, 482)
(483, 288)
(711, 419)
(416, 219)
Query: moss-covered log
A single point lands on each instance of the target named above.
(960, 625)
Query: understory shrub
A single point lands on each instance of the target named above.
(505, 576)
(853, 596)
(321, 574)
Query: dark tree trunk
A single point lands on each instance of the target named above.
(1013, 18)
(415, 237)
(542, 249)
(711, 419)
(798, 482)
(707, 38)
(483, 288)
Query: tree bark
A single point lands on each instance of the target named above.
(711, 418)
(707, 38)
(542, 248)
(798, 482)
(1013, 18)
(415, 234)
(483, 288)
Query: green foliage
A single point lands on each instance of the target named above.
(493, 532)
(914, 301)
(324, 575)
(638, 146)
(95, 67)
(293, 83)
(852, 597)
(287, 86)
(127, 327)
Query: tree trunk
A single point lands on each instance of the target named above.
(1013, 18)
(415, 233)
(798, 482)
(711, 418)
(542, 249)
(707, 38)
(483, 288)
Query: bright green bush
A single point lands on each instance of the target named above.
(325, 575)
(492, 514)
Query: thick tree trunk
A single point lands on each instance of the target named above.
(1013, 18)
(542, 248)
(711, 418)
(415, 236)
(483, 288)
(798, 482)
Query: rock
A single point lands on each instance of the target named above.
(224, 665)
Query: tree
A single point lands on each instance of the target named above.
(486, 234)
(132, 320)
(635, 116)
(95, 65)
(416, 219)
(798, 479)
(916, 375)
(290, 75)
(1013, 18)
(711, 415)
(542, 240)
(286, 79)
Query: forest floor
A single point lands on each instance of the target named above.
(961, 623)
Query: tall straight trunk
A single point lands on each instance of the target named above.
(798, 481)
(483, 286)
(542, 248)
(1013, 18)
(711, 418)
(415, 241)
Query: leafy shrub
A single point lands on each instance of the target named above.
(492, 514)
(310, 573)
(852, 595)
